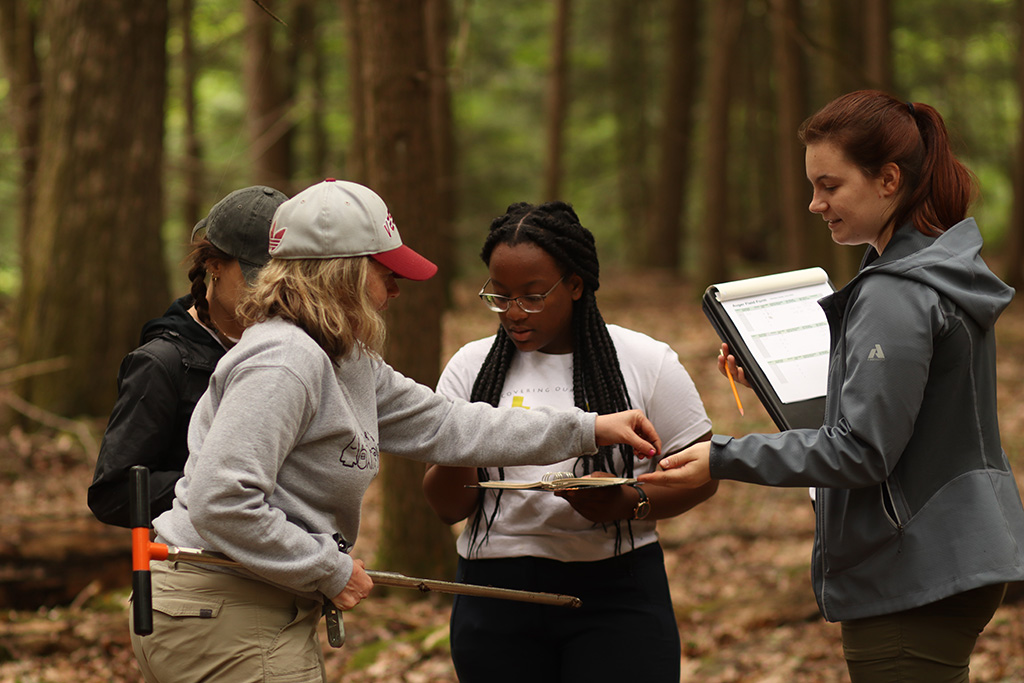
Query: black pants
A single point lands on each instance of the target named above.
(625, 630)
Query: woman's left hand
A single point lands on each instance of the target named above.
(630, 427)
(689, 468)
(358, 587)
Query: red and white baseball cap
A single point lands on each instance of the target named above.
(339, 219)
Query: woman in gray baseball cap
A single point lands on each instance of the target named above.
(160, 382)
(287, 439)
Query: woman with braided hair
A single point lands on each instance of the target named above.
(160, 382)
(553, 348)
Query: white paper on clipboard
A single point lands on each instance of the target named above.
(784, 328)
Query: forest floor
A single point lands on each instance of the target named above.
(738, 564)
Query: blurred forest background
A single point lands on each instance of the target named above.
(669, 125)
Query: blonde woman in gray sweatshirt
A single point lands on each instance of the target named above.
(287, 439)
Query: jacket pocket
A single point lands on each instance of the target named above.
(894, 503)
(856, 524)
(889, 506)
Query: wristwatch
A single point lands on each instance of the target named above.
(643, 506)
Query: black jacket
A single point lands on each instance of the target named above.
(158, 386)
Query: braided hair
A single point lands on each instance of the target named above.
(202, 251)
(598, 385)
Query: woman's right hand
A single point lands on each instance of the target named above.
(630, 427)
(737, 372)
(689, 468)
(358, 587)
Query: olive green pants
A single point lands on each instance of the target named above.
(928, 644)
(215, 627)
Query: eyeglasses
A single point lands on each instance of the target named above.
(530, 303)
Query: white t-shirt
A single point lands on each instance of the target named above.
(538, 523)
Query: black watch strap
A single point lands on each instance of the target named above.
(643, 505)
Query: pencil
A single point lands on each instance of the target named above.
(732, 384)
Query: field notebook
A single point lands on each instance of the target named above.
(556, 481)
(778, 333)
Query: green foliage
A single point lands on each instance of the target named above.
(499, 108)
(960, 57)
(426, 640)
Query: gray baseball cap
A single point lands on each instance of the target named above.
(339, 219)
(239, 225)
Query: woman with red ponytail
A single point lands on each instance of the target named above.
(919, 522)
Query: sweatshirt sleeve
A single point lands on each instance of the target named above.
(417, 423)
(889, 341)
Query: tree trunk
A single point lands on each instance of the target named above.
(95, 271)
(757, 236)
(401, 167)
(355, 164)
(665, 239)
(878, 44)
(1015, 234)
(842, 51)
(193, 166)
(558, 102)
(846, 27)
(18, 27)
(726, 18)
(438, 20)
(630, 85)
(269, 91)
(798, 239)
(307, 41)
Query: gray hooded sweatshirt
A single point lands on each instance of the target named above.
(915, 500)
(284, 444)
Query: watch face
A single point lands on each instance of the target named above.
(643, 506)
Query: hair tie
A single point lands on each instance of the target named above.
(910, 106)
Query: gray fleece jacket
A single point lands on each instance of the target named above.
(916, 500)
(284, 444)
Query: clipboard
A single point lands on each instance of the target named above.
(779, 336)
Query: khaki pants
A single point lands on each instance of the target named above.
(212, 626)
(928, 644)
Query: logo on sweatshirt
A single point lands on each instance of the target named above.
(876, 353)
(362, 454)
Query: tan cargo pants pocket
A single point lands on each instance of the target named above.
(216, 627)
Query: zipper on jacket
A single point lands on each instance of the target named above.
(819, 520)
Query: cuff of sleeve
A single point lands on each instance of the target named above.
(716, 458)
(337, 581)
(588, 440)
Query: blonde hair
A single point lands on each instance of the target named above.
(328, 298)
